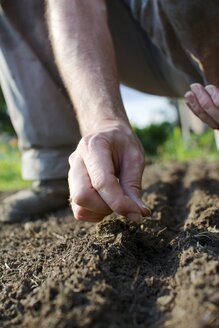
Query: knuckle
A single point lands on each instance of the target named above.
(206, 104)
(197, 111)
(99, 181)
(79, 213)
(84, 142)
(95, 141)
(94, 138)
(81, 197)
(71, 158)
(90, 141)
(137, 156)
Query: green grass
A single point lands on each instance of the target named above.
(161, 142)
(164, 142)
(10, 166)
(197, 147)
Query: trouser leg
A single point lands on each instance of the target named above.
(141, 65)
(38, 106)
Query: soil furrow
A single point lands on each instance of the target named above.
(57, 272)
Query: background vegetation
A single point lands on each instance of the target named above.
(164, 142)
(10, 167)
(161, 142)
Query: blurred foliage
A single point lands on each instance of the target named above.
(154, 136)
(164, 141)
(198, 146)
(10, 158)
(5, 123)
(10, 165)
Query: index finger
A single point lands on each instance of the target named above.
(99, 163)
(214, 93)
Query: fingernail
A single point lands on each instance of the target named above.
(210, 89)
(137, 218)
(190, 98)
(196, 88)
(186, 95)
(147, 210)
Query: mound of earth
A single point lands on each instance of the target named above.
(57, 272)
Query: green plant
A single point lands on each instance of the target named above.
(153, 136)
(198, 146)
(10, 167)
(164, 141)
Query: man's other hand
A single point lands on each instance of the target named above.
(204, 103)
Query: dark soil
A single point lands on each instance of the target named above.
(57, 272)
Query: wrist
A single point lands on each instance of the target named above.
(96, 123)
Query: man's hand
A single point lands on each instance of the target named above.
(105, 175)
(107, 166)
(204, 102)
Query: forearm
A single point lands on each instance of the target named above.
(85, 56)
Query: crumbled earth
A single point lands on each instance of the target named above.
(57, 272)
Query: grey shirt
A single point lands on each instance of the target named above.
(152, 18)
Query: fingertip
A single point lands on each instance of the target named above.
(137, 218)
(188, 94)
(145, 209)
(210, 89)
(196, 85)
(190, 98)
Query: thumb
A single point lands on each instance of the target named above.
(130, 180)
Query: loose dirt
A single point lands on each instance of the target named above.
(56, 272)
